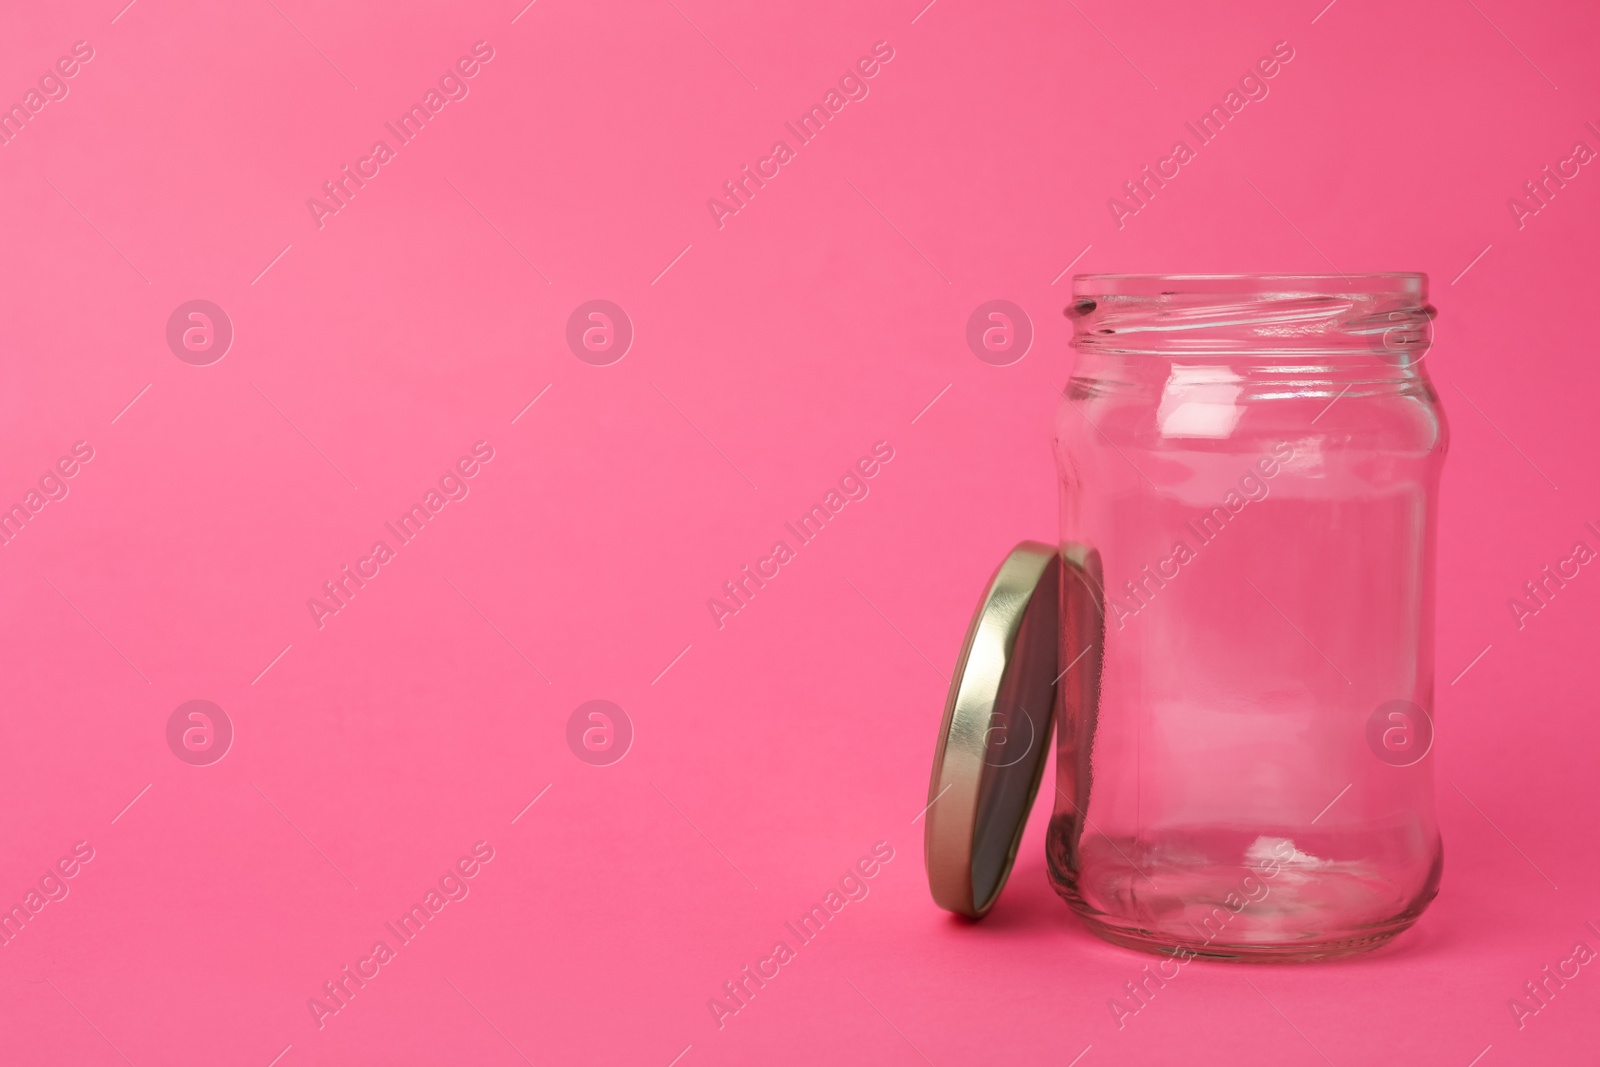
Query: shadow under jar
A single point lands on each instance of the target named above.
(1248, 473)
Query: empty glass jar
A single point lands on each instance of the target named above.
(1248, 473)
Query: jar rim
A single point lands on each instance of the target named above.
(1406, 284)
(1257, 315)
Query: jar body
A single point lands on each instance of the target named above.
(1247, 528)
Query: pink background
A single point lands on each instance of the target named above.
(825, 316)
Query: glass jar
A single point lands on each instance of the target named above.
(1248, 474)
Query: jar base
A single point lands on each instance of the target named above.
(1207, 894)
(1295, 952)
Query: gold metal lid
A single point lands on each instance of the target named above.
(996, 732)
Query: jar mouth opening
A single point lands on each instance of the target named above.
(1406, 285)
(1273, 316)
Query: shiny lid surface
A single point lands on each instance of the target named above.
(995, 736)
